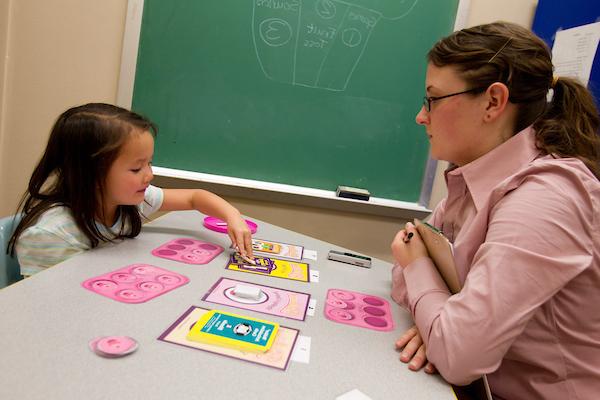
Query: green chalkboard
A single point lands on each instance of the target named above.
(313, 93)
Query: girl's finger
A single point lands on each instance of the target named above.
(242, 248)
(234, 243)
(248, 243)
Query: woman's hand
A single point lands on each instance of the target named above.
(413, 351)
(241, 238)
(408, 246)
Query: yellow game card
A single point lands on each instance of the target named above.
(234, 331)
(277, 268)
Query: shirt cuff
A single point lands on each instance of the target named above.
(427, 293)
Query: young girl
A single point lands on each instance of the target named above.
(523, 213)
(92, 187)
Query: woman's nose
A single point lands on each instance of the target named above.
(422, 117)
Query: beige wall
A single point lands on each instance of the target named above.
(517, 11)
(4, 28)
(59, 53)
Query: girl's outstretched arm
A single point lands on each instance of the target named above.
(213, 205)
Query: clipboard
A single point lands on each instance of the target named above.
(441, 253)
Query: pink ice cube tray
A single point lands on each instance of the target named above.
(135, 283)
(358, 309)
(189, 251)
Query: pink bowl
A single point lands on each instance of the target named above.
(218, 225)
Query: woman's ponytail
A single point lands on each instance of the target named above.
(570, 125)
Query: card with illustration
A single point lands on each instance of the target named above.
(275, 267)
(234, 331)
(270, 248)
(274, 301)
(278, 356)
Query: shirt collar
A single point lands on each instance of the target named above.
(111, 230)
(486, 172)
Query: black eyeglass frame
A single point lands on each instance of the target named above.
(428, 100)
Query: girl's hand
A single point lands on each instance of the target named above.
(241, 238)
(406, 248)
(413, 351)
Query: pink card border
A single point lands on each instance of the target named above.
(214, 286)
(163, 336)
(262, 253)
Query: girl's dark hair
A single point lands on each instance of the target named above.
(83, 144)
(508, 53)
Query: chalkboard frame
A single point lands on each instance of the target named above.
(260, 190)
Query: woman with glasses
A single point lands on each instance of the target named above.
(523, 214)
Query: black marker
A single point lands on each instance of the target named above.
(408, 237)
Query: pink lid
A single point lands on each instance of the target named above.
(218, 225)
(113, 346)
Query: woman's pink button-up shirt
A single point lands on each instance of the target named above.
(526, 235)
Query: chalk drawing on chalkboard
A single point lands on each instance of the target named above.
(275, 32)
(391, 10)
(317, 43)
(326, 9)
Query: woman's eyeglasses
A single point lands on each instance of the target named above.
(428, 100)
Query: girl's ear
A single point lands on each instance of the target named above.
(497, 98)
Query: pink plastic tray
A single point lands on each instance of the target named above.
(189, 251)
(358, 309)
(135, 283)
(218, 225)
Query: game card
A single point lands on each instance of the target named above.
(234, 331)
(278, 356)
(273, 301)
(284, 250)
(277, 268)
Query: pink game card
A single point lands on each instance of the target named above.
(135, 283)
(278, 356)
(273, 301)
(189, 251)
(358, 309)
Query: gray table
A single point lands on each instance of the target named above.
(47, 321)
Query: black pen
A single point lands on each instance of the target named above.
(407, 238)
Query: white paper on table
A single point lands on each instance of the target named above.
(301, 351)
(310, 254)
(354, 394)
(312, 306)
(574, 51)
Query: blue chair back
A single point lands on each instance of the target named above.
(9, 266)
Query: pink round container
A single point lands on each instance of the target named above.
(218, 225)
(113, 346)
